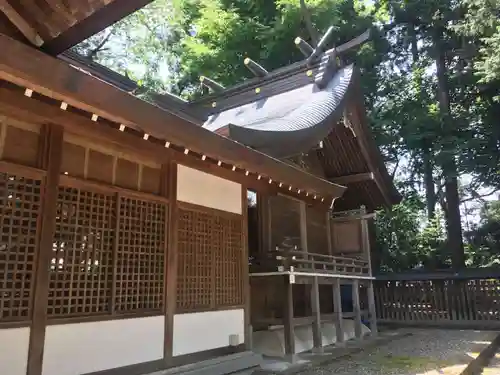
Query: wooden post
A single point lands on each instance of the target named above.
(170, 189)
(337, 309)
(365, 230)
(288, 320)
(329, 233)
(50, 160)
(244, 265)
(314, 289)
(264, 223)
(372, 308)
(316, 328)
(357, 309)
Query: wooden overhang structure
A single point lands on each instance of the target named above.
(57, 25)
(309, 114)
(124, 222)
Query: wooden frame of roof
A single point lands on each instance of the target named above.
(61, 83)
(56, 25)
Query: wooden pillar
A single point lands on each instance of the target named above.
(50, 160)
(337, 311)
(244, 265)
(288, 319)
(329, 233)
(316, 328)
(170, 190)
(313, 291)
(372, 309)
(264, 223)
(365, 232)
(356, 309)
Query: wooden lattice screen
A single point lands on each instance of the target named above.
(210, 260)
(96, 244)
(81, 266)
(19, 209)
(141, 255)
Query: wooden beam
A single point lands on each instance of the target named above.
(95, 22)
(353, 178)
(51, 162)
(169, 187)
(18, 106)
(329, 233)
(60, 81)
(23, 26)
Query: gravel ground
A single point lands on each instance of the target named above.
(493, 367)
(429, 352)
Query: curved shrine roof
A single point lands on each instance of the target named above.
(287, 123)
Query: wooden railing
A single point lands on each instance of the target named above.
(300, 261)
(470, 299)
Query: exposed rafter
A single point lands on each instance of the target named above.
(23, 26)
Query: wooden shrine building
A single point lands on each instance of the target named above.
(125, 231)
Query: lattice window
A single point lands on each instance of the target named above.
(141, 256)
(209, 269)
(81, 265)
(228, 262)
(194, 283)
(19, 210)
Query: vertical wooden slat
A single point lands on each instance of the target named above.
(52, 163)
(288, 318)
(357, 309)
(169, 187)
(244, 265)
(337, 311)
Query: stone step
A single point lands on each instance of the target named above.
(239, 363)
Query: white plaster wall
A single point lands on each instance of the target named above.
(14, 344)
(72, 349)
(197, 332)
(196, 187)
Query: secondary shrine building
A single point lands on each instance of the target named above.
(139, 236)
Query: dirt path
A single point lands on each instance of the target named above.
(425, 352)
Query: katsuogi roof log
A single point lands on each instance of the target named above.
(255, 68)
(211, 84)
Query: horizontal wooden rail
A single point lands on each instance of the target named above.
(300, 261)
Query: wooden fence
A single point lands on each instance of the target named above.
(469, 299)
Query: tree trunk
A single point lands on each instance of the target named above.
(453, 221)
(430, 193)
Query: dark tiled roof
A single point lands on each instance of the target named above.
(290, 122)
